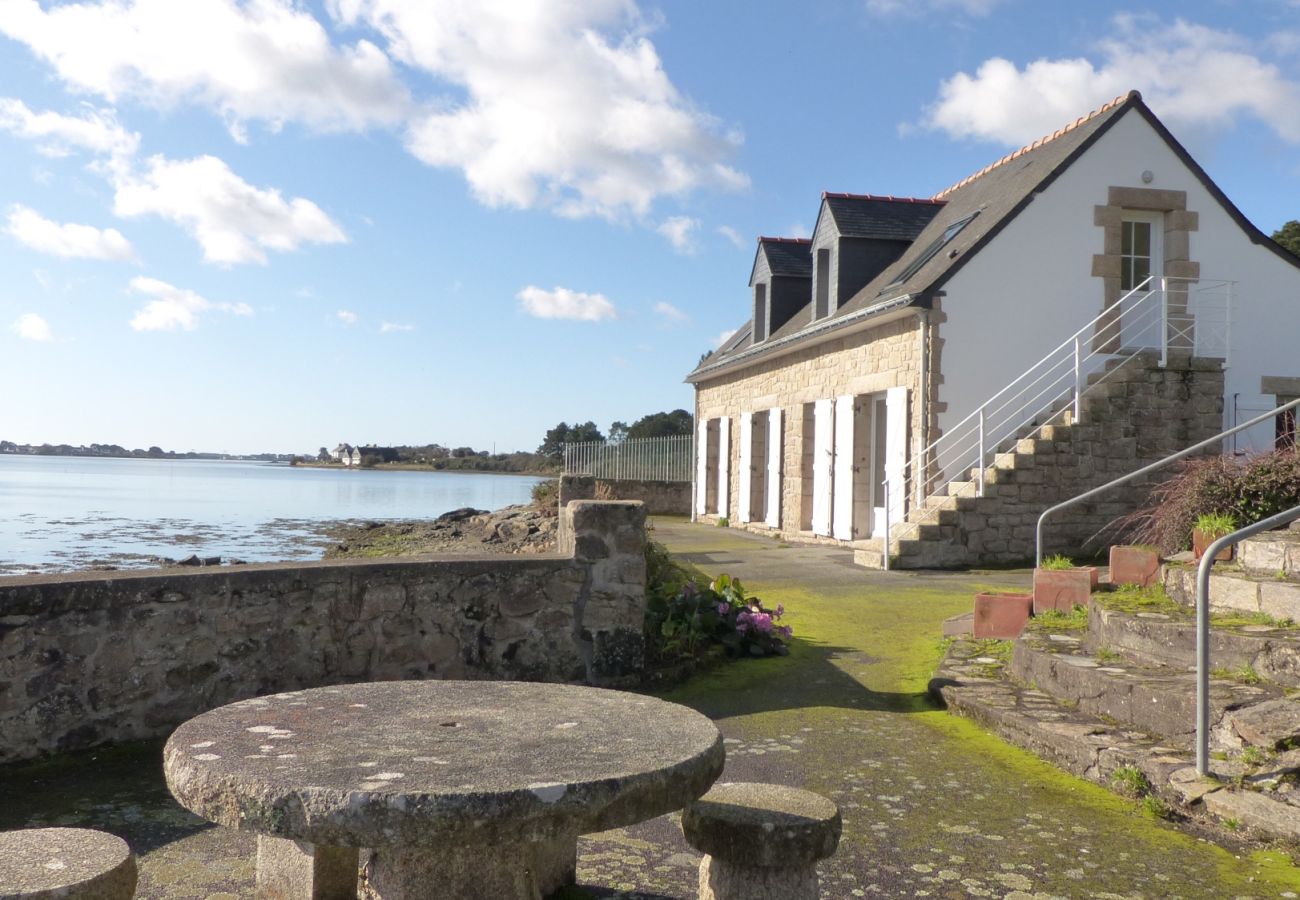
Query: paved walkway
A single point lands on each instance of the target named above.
(933, 807)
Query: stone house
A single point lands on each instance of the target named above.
(943, 369)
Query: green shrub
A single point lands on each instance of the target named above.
(1215, 524)
(1244, 490)
(546, 494)
(1057, 562)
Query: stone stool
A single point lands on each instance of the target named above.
(761, 841)
(74, 863)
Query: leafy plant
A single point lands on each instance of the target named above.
(1059, 620)
(1153, 807)
(1215, 524)
(1057, 562)
(724, 522)
(1106, 656)
(1243, 675)
(1129, 780)
(1253, 756)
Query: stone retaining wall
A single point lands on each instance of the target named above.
(661, 498)
(93, 658)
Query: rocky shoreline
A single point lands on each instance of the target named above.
(525, 529)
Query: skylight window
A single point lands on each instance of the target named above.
(929, 252)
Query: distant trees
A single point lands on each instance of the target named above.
(552, 445)
(659, 424)
(1289, 236)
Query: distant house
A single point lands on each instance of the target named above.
(342, 454)
(944, 368)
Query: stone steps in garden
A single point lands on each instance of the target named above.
(1234, 589)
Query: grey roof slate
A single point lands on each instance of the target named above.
(997, 192)
(886, 218)
(787, 256)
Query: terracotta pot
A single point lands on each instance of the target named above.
(1063, 589)
(1001, 616)
(1134, 565)
(1202, 541)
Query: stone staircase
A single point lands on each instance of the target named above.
(1134, 412)
(1111, 695)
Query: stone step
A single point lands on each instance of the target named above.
(1169, 639)
(1232, 589)
(1156, 700)
(1274, 555)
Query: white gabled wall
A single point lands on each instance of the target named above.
(1032, 286)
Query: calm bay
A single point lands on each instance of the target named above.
(59, 513)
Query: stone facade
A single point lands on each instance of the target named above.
(92, 658)
(870, 361)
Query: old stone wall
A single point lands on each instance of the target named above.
(661, 498)
(92, 658)
(868, 362)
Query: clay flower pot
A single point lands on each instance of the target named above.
(1063, 589)
(1201, 542)
(1001, 616)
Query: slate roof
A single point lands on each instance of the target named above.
(787, 256)
(997, 193)
(883, 218)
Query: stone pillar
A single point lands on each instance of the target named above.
(609, 538)
(295, 870)
(573, 487)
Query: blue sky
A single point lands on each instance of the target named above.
(264, 225)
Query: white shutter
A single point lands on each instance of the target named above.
(746, 459)
(774, 450)
(896, 450)
(842, 509)
(821, 505)
(702, 469)
(724, 464)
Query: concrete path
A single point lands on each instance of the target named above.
(933, 807)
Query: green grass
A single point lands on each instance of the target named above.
(1106, 656)
(1253, 756)
(1057, 562)
(1130, 781)
(1242, 675)
(1238, 619)
(1056, 621)
(1130, 598)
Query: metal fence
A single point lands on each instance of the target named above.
(636, 459)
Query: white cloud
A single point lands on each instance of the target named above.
(68, 240)
(174, 308)
(680, 232)
(724, 337)
(562, 303)
(394, 327)
(732, 235)
(347, 316)
(1191, 75)
(31, 327)
(267, 60)
(931, 7)
(798, 230)
(231, 219)
(550, 103)
(96, 130)
(670, 312)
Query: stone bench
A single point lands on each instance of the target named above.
(57, 863)
(761, 841)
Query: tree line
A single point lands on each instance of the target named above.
(660, 424)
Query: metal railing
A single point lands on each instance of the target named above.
(1145, 470)
(666, 458)
(1161, 314)
(1203, 626)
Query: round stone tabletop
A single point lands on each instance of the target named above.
(412, 762)
(49, 863)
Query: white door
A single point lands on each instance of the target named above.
(773, 518)
(702, 469)
(823, 452)
(724, 464)
(842, 508)
(746, 458)
(896, 451)
(1142, 255)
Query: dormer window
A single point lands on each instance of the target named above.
(822, 282)
(760, 311)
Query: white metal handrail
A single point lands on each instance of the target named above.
(1055, 385)
(1203, 626)
(665, 458)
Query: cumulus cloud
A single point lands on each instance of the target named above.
(669, 312)
(732, 235)
(680, 232)
(68, 240)
(548, 103)
(929, 7)
(347, 316)
(95, 130)
(233, 221)
(562, 303)
(394, 327)
(173, 308)
(31, 327)
(1192, 75)
(267, 60)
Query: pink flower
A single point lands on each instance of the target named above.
(724, 608)
(762, 623)
(785, 631)
(780, 611)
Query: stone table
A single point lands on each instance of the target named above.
(448, 788)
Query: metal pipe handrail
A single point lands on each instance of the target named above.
(1173, 457)
(1203, 625)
